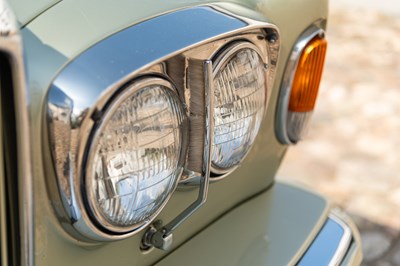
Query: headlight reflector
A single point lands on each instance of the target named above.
(240, 97)
(134, 159)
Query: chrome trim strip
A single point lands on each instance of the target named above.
(122, 53)
(24, 160)
(344, 242)
(83, 87)
(162, 238)
(208, 137)
(288, 76)
(330, 245)
(11, 44)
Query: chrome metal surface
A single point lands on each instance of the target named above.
(330, 245)
(220, 62)
(79, 94)
(269, 53)
(297, 124)
(162, 238)
(344, 242)
(11, 46)
(286, 87)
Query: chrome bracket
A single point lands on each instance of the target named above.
(161, 236)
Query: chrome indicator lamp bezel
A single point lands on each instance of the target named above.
(82, 90)
(282, 113)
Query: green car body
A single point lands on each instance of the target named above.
(248, 217)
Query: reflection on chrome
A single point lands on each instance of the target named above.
(112, 191)
(60, 109)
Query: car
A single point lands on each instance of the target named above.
(150, 132)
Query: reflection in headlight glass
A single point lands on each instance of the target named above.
(240, 95)
(136, 156)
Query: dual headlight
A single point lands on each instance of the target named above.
(119, 152)
(134, 159)
(135, 156)
(239, 104)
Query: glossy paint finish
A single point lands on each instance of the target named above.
(26, 11)
(69, 28)
(248, 235)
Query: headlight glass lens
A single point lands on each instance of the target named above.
(135, 153)
(240, 96)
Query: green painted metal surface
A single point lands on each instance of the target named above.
(68, 28)
(248, 235)
(27, 11)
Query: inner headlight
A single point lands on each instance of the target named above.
(134, 158)
(240, 97)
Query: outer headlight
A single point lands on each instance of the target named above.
(133, 165)
(240, 97)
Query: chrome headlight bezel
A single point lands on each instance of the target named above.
(86, 220)
(82, 90)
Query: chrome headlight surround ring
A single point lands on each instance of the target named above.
(77, 96)
(127, 92)
(86, 225)
(221, 59)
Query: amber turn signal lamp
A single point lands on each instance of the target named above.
(300, 84)
(308, 76)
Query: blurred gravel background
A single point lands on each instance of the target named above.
(352, 150)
